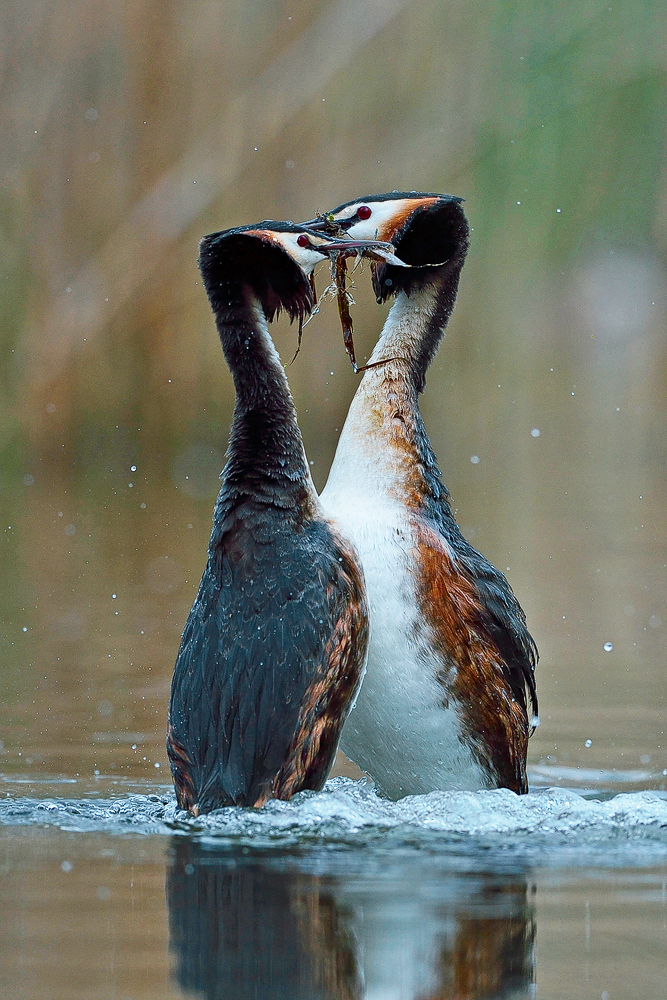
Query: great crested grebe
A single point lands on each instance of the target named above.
(275, 644)
(443, 702)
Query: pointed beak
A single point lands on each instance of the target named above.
(337, 246)
(326, 223)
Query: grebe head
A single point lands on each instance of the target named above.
(275, 259)
(428, 231)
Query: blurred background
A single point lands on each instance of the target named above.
(131, 130)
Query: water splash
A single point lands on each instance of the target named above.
(546, 825)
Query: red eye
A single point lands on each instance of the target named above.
(303, 240)
(364, 212)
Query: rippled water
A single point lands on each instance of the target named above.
(336, 894)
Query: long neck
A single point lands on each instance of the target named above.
(384, 444)
(266, 459)
(417, 320)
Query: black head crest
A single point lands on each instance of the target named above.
(248, 256)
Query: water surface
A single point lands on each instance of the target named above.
(335, 894)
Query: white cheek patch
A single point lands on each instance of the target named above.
(382, 220)
(306, 258)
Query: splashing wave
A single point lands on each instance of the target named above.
(546, 825)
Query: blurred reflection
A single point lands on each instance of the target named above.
(264, 926)
(491, 956)
(243, 930)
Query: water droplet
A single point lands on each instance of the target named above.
(474, 459)
(608, 646)
(66, 866)
(588, 743)
(535, 432)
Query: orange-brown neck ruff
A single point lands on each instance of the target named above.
(388, 227)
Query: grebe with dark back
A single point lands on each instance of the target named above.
(275, 644)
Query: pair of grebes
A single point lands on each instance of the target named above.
(361, 616)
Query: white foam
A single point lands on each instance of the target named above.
(551, 823)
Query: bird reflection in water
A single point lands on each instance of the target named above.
(241, 929)
(264, 926)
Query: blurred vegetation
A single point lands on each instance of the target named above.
(132, 130)
(116, 114)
